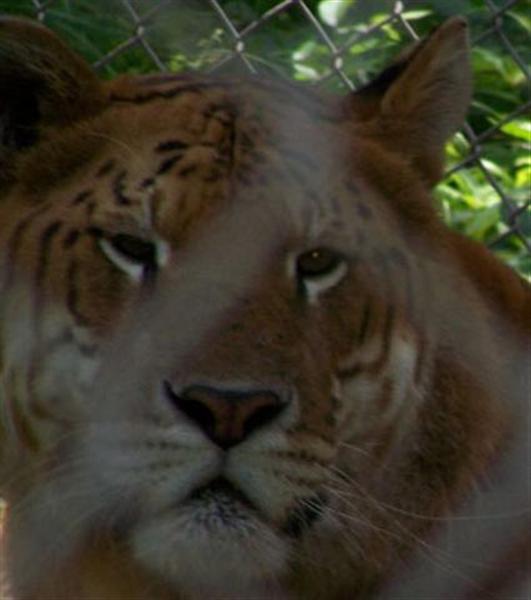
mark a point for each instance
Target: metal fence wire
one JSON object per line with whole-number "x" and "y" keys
{"x": 339, "y": 44}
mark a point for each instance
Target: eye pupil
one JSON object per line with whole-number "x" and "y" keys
{"x": 133, "y": 248}
{"x": 317, "y": 262}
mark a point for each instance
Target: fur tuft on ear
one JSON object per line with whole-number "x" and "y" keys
{"x": 418, "y": 102}
{"x": 42, "y": 84}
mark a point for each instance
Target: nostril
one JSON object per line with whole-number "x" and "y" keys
{"x": 262, "y": 416}
{"x": 227, "y": 417}
{"x": 194, "y": 409}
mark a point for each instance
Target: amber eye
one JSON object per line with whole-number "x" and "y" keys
{"x": 137, "y": 257}
{"x": 134, "y": 249}
{"x": 318, "y": 262}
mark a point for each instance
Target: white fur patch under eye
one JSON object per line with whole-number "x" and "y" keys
{"x": 132, "y": 268}
{"x": 317, "y": 285}
{"x": 135, "y": 269}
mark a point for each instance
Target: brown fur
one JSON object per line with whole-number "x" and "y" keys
{"x": 220, "y": 165}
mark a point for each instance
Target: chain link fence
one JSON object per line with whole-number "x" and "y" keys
{"x": 340, "y": 44}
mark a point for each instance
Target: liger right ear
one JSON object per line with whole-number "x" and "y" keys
{"x": 417, "y": 103}
{"x": 42, "y": 84}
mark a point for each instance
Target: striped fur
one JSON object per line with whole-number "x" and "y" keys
{"x": 176, "y": 250}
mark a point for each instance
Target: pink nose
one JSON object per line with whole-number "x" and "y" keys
{"x": 227, "y": 417}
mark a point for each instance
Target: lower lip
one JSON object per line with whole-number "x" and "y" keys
{"x": 220, "y": 489}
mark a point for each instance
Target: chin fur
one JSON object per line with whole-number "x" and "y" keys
{"x": 203, "y": 552}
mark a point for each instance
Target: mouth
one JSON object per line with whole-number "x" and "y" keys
{"x": 214, "y": 540}
{"x": 220, "y": 488}
{"x": 223, "y": 491}
{"x": 220, "y": 504}
{"x": 219, "y": 536}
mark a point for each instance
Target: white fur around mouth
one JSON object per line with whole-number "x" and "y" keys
{"x": 218, "y": 505}
{"x": 211, "y": 540}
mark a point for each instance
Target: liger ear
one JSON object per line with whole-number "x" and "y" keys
{"x": 418, "y": 102}
{"x": 42, "y": 84}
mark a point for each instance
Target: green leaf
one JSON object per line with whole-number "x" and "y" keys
{"x": 523, "y": 20}
{"x": 484, "y": 59}
{"x": 497, "y": 171}
{"x": 332, "y": 11}
{"x": 519, "y": 129}
{"x": 305, "y": 73}
{"x": 304, "y": 50}
{"x": 482, "y": 221}
{"x": 414, "y": 15}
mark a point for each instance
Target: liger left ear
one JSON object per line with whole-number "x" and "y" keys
{"x": 42, "y": 84}
{"x": 417, "y": 103}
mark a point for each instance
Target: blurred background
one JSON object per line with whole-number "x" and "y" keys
{"x": 340, "y": 45}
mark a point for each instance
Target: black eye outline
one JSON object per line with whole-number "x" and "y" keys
{"x": 318, "y": 262}
{"x": 134, "y": 249}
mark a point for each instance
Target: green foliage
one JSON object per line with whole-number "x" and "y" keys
{"x": 191, "y": 35}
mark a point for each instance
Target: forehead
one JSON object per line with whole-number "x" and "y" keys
{"x": 166, "y": 154}
{"x": 243, "y": 122}
{"x": 199, "y": 107}
{"x": 200, "y": 143}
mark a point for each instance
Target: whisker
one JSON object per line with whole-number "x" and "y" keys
{"x": 438, "y": 557}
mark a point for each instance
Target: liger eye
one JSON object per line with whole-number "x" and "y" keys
{"x": 135, "y": 256}
{"x": 318, "y": 263}
{"x": 134, "y": 248}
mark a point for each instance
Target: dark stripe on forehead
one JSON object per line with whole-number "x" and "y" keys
{"x": 223, "y": 112}
{"x": 169, "y": 94}
{"x": 118, "y": 189}
{"x": 302, "y": 97}
{"x": 169, "y": 163}
{"x": 81, "y": 197}
{"x": 149, "y": 181}
{"x": 106, "y": 168}
{"x": 188, "y": 170}
{"x": 171, "y": 145}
